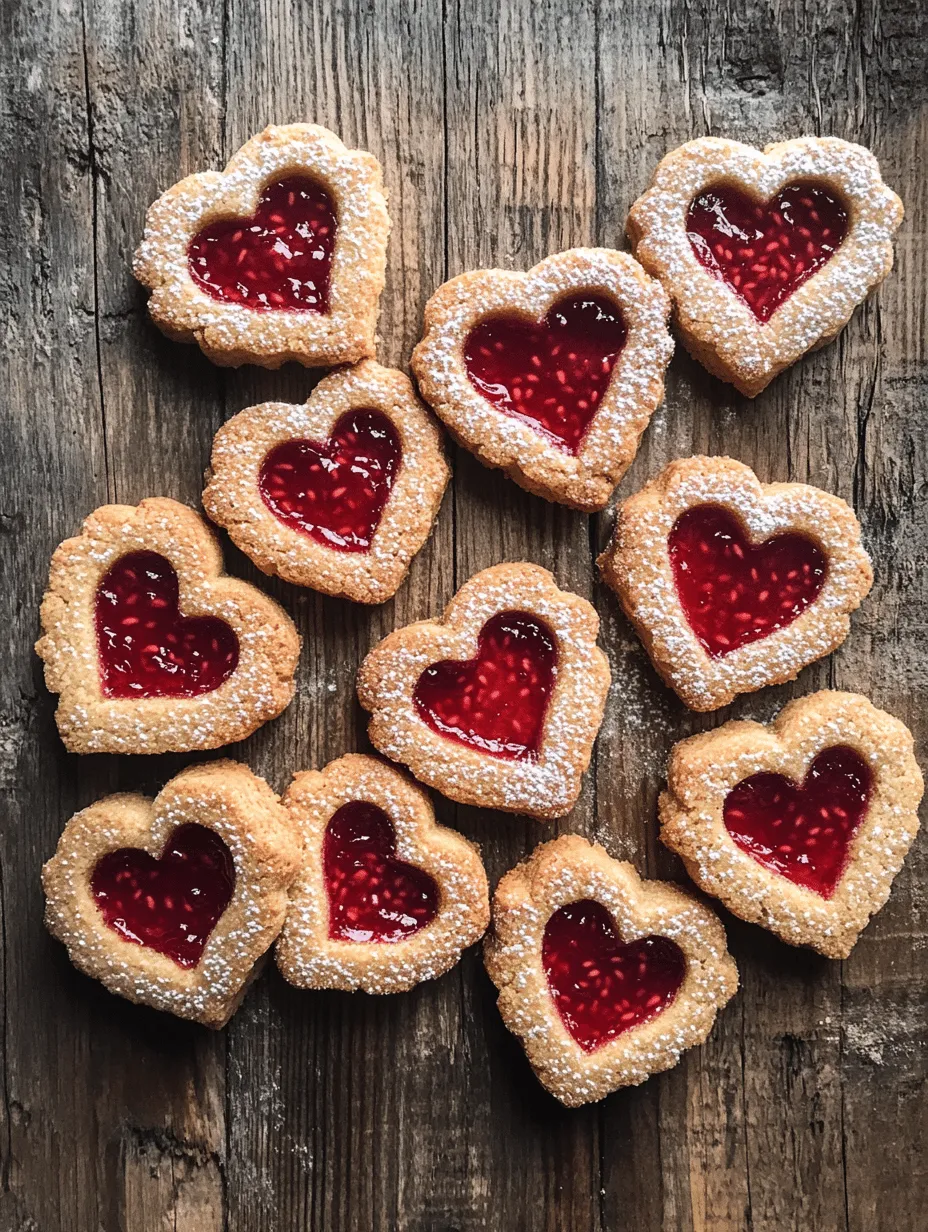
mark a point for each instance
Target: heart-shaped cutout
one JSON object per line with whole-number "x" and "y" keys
{"x": 279, "y": 259}
{"x": 335, "y": 490}
{"x": 496, "y": 702}
{"x": 765, "y": 251}
{"x": 734, "y": 592}
{"x": 145, "y": 647}
{"x": 170, "y": 904}
{"x": 373, "y": 895}
{"x": 550, "y": 374}
{"x": 601, "y": 985}
{"x": 803, "y": 831}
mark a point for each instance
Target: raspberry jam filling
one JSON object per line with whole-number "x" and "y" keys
{"x": 171, "y": 904}
{"x": 280, "y": 258}
{"x": 146, "y": 648}
{"x": 552, "y": 374}
{"x": 496, "y": 702}
{"x": 733, "y": 591}
{"x": 373, "y": 896}
{"x": 766, "y": 250}
{"x": 803, "y": 831}
{"x": 335, "y": 490}
{"x": 602, "y": 986}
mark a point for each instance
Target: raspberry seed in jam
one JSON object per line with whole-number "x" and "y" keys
{"x": 601, "y": 985}
{"x": 498, "y": 701}
{"x": 335, "y": 490}
{"x": 280, "y": 258}
{"x": 550, "y": 374}
{"x": 146, "y": 648}
{"x": 373, "y": 896}
{"x": 766, "y": 250}
{"x": 732, "y": 591}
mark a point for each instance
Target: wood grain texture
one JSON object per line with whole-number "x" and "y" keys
{"x": 507, "y": 131}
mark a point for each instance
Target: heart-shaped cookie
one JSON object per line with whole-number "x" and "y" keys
{"x": 279, "y": 257}
{"x": 497, "y": 703}
{"x": 386, "y": 898}
{"x": 172, "y": 902}
{"x": 604, "y": 978}
{"x": 764, "y": 254}
{"x": 338, "y": 494}
{"x": 152, "y": 648}
{"x": 800, "y": 826}
{"x": 733, "y": 584}
{"x": 551, "y": 375}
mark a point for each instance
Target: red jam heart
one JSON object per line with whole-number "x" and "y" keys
{"x": 803, "y": 832}
{"x": 146, "y": 648}
{"x": 733, "y": 591}
{"x": 498, "y": 701}
{"x": 551, "y": 375}
{"x": 335, "y": 490}
{"x": 170, "y": 905}
{"x": 280, "y": 258}
{"x": 766, "y": 250}
{"x": 373, "y": 896}
{"x": 602, "y": 986}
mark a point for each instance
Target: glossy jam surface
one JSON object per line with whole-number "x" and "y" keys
{"x": 496, "y": 702}
{"x": 803, "y": 831}
{"x": 601, "y": 985}
{"x": 280, "y": 258}
{"x": 552, "y": 374}
{"x": 766, "y": 250}
{"x": 335, "y": 490}
{"x": 733, "y": 591}
{"x": 146, "y": 648}
{"x": 171, "y": 904}
{"x": 373, "y": 896}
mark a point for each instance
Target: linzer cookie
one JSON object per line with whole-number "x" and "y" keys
{"x": 151, "y": 647}
{"x": 173, "y": 902}
{"x": 551, "y": 375}
{"x": 765, "y": 255}
{"x": 605, "y": 978}
{"x": 385, "y": 898}
{"x": 279, "y": 257}
{"x": 498, "y": 702}
{"x": 338, "y": 494}
{"x": 800, "y": 826}
{"x": 733, "y": 584}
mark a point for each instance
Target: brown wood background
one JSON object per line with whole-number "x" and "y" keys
{"x": 508, "y": 129}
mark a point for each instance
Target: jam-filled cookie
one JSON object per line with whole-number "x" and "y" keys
{"x": 151, "y": 647}
{"x": 386, "y": 897}
{"x": 338, "y": 494}
{"x": 764, "y": 254}
{"x": 551, "y": 375}
{"x": 173, "y": 902}
{"x": 498, "y": 702}
{"x": 279, "y": 257}
{"x": 800, "y": 826}
{"x": 605, "y": 978}
{"x": 733, "y": 584}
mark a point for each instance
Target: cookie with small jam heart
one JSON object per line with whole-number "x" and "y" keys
{"x": 733, "y": 584}
{"x": 765, "y": 254}
{"x": 279, "y": 257}
{"x": 498, "y": 702}
{"x": 386, "y": 897}
{"x": 799, "y": 826}
{"x": 605, "y": 978}
{"x": 150, "y": 646}
{"x": 174, "y": 902}
{"x": 550, "y": 375}
{"x": 338, "y": 494}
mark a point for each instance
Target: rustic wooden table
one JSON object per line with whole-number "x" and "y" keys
{"x": 507, "y": 131}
